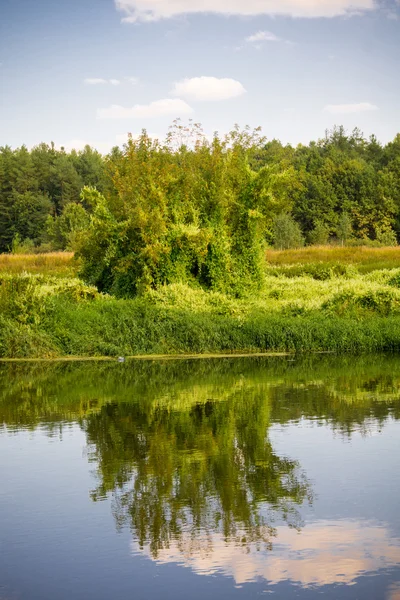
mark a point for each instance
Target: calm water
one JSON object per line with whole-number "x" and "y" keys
{"x": 228, "y": 478}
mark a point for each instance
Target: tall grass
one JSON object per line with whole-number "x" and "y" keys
{"x": 364, "y": 258}
{"x": 52, "y": 263}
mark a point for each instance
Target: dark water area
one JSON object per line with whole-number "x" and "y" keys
{"x": 222, "y": 478}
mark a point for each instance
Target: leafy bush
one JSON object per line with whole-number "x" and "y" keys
{"x": 189, "y": 216}
{"x": 27, "y": 298}
{"x": 380, "y": 302}
{"x": 22, "y": 247}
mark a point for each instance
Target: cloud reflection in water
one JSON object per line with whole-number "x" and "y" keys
{"x": 323, "y": 553}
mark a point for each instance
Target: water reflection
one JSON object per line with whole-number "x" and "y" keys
{"x": 394, "y": 592}
{"x": 324, "y": 553}
{"x": 185, "y": 454}
{"x": 204, "y": 469}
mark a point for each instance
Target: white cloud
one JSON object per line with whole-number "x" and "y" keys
{"x": 132, "y": 80}
{"x": 153, "y": 10}
{"x": 262, "y": 36}
{"x": 159, "y": 108}
{"x": 343, "y": 109}
{"x": 100, "y": 81}
{"x": 208, "y": 88}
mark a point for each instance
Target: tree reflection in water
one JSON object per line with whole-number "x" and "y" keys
{"x": 186, "y": 474}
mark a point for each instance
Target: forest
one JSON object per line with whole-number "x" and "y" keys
{"x": 316, "y": 184}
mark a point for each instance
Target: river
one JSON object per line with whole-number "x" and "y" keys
{"x": 219, "y": 478}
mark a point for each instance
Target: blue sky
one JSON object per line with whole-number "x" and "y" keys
{"x": 89, "y": 71}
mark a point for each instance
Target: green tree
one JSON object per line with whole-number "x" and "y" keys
{"x": 344, "y": 228}
{"x": 287, "y": 233}
{"x": 24, "y": 214}
{"x": 319, "y": 235}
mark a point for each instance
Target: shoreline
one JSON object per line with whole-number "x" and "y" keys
{"x": 160, "y": 357}
{"x": 301, "y": 309}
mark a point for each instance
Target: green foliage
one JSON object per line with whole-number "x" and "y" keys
{"x": 19, "y": 247}
{"x": 379, "y": 302}
{"x": 287, "y": 233}
{"x": 319, "y": 236}
{"x": 320, "y": 271}
{"x": 386, "y": 237}
{"x": 42, "y": 182}
{"x": 323, "y": 308}
{"x": 193, "y": 215}
{"x": 63, "y": 232}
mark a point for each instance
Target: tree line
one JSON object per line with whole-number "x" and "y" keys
{"x": 39, "y": 184}
{"x": 188, "y": 208}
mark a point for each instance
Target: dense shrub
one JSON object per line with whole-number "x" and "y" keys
{"x": 195, "y": 215}
{"x": 382, "y": 302}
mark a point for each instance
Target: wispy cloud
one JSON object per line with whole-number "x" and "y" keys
{"x": 159, "y": 108}
{"x": 343, "y": 109}
{"x": 153, "y": 10}
{"x": 100, "y": 81}
{"x": 208, "y": 88}
{"x": 262, "y": 36}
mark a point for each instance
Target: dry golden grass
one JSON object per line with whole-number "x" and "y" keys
{"x": 53, "y": 263}
{"x": 362, "y": 256}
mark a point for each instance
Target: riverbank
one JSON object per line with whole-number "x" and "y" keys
{"x": 324, "y": 306}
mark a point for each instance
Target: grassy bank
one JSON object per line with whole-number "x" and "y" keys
{"x": 305, "y": 306}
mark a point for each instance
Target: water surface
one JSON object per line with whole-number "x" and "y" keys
{"x": 227, "y": 477}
